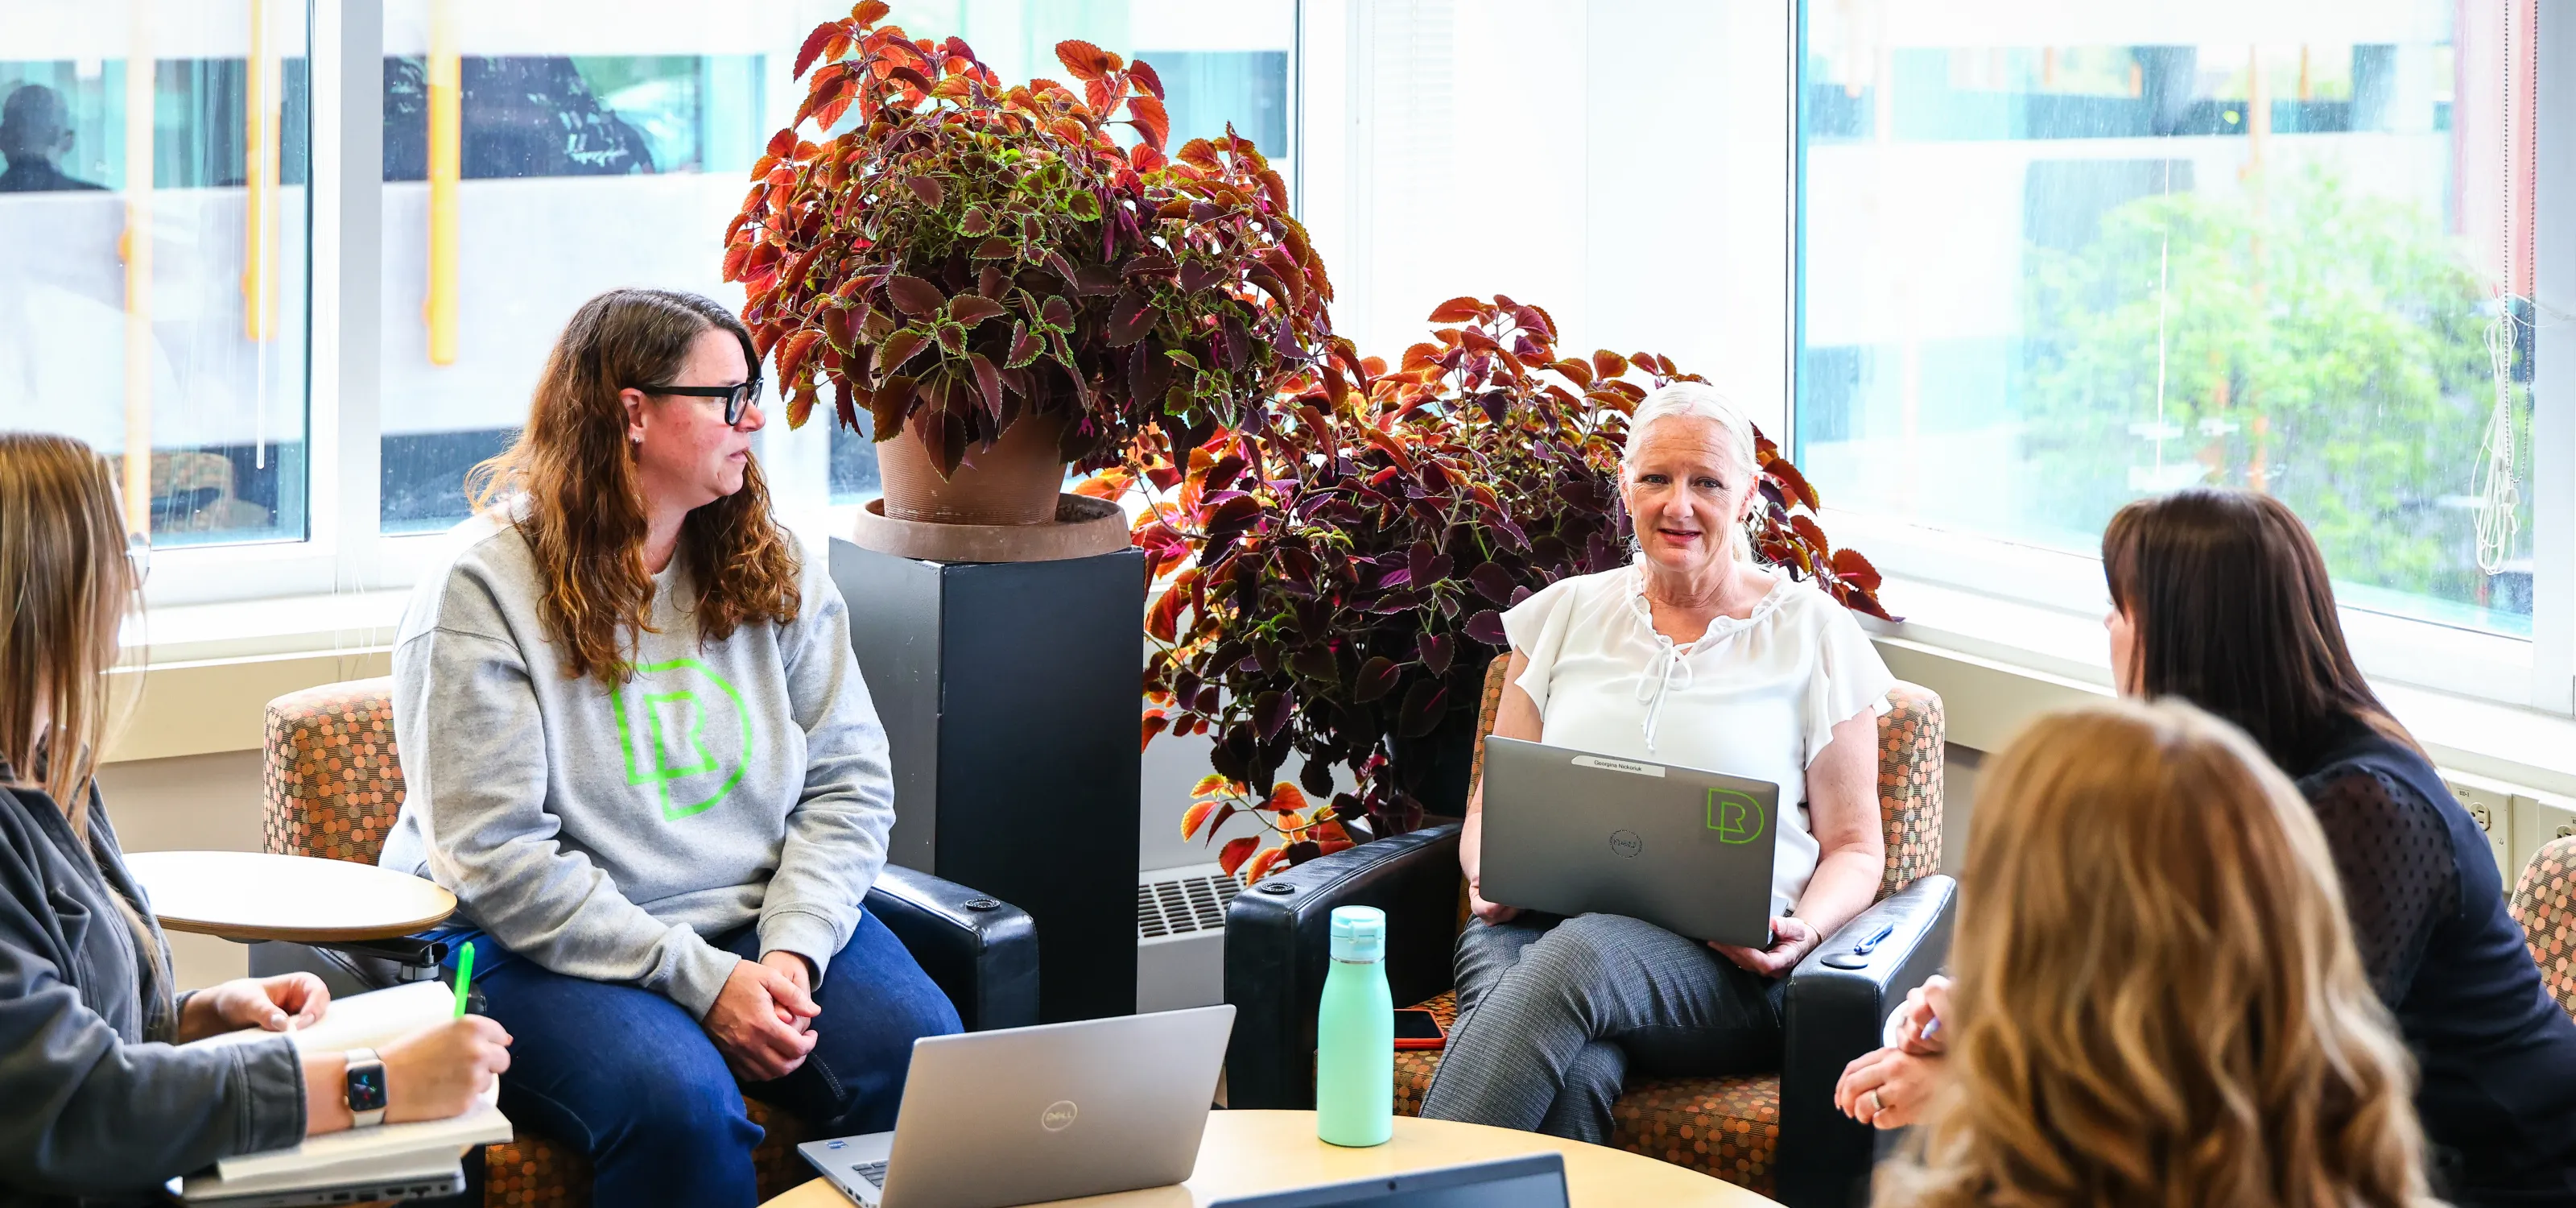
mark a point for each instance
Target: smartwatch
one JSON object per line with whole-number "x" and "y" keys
{"x": 366, "y": 1088}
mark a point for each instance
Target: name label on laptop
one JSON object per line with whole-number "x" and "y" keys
{"x": 1619, "y": 765}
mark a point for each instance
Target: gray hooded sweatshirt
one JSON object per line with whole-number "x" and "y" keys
{"x": 610, "y": 835}
{"x": 95, "y": 1104}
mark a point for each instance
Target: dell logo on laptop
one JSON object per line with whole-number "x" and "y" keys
{"x": 1626, "y": 843}
{"x": 1058, "y": 1116}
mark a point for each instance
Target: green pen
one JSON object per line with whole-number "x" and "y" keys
{"x": 464, "y": 977}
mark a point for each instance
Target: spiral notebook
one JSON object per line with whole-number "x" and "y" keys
{"x": 358, "y": 1154}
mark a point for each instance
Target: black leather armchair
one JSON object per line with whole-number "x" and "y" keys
{"x": 1276, "y": 955}
{"x": 982, "y": 951}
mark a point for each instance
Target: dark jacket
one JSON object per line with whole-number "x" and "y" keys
{"x": 39, "y": 176}
{"x": 2496, "y": 1057}
{"x": 94, "y": 1103}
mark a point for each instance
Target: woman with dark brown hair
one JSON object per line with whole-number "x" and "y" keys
{"x": 639, "y": 752}
{"x": 2221, "y": 598}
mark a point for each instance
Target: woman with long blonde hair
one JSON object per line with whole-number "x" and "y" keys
{"x": 2157, "y": 999}
{"x": 95, "y": 1102}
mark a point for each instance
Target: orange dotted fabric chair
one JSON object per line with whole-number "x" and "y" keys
{"x": 333, "y": 787}
{"x": 2544, "y": 902}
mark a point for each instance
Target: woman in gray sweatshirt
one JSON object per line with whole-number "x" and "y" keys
{"x": 637, "y": 748}
{"x": 96, "y": 1102}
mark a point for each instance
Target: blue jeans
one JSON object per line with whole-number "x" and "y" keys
{"x": 627, "y": 1077}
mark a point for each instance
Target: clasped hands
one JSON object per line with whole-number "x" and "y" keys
{"x": 1887, "y": 1088}
{"x": 762, "y": 1021}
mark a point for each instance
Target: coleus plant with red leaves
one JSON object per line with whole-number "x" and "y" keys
{"x": 964, "y": 255}
{"x": 1337, "y": 581}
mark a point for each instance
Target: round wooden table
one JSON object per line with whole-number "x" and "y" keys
{"x": 1248, "y": 1152}
{"x": 241, "y": 895}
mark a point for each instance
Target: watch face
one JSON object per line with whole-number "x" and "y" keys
{"x": 367, "y": 1088}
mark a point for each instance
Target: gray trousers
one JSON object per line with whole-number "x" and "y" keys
{"x": 1551, "y": 1012}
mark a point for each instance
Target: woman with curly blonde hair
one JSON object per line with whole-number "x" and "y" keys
{"x": 2157, "y": 999}
{"x": 639, "y": 751}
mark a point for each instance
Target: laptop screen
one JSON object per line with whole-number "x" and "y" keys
{"x": 1536, "y": 1181}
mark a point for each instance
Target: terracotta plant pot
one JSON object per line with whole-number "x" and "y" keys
{"x": 1013, "y": 482}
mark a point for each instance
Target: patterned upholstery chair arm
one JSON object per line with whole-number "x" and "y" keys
{"x": 2544, "y": 902}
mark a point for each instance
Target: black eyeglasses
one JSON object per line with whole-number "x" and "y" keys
{"x": 736, "y": 397}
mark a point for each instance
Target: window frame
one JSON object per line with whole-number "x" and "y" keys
{"x": 2538, "y": 672}
{"x": 345, "y": 551}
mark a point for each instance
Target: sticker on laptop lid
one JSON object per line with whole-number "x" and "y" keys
{"x": 1607, "y": 764}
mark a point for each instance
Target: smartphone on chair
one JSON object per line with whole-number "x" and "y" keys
{"x": 1416, "y": 1028}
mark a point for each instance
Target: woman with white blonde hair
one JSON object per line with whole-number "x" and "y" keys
{"x": 1695, "y": 655}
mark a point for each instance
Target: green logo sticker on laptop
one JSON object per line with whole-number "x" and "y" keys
{"x": 1736, "y": 817}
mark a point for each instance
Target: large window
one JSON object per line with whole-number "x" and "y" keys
{"x": 535, "y": 155}
{"x": 158, "y": 244}
{"x": 1618, "y": 163}
{"x": 2036, "y": 260}
{"x": 153, "y": 240}
{"x": 2052, "y": 259}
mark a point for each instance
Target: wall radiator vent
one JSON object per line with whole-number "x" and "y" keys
{"x": 1183, "y": 900}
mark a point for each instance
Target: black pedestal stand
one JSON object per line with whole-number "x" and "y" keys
{"x": 1009, "y": 696}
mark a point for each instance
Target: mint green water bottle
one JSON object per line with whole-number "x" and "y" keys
{"x": 1355, "y": 1034}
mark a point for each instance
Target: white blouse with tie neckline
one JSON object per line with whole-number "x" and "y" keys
{"x": 1757, "y": 697}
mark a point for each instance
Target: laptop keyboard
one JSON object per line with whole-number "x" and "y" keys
{"x": 873, "y": 1172}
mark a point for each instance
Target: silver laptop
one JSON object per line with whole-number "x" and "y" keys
{"x": 1568, "y": 832}
{"x": 410, "y": 1177}
{"x": 1024, "y": 1115}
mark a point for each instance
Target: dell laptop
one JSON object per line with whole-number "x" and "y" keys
{"x": 1536, "y": 1181}
{"x": 1024, "y": 1115}
{"x": 1569, "y": 832}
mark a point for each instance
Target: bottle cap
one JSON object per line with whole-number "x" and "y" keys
{"x": 1359, "y": 933}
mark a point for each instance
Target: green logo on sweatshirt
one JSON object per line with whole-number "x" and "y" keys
{"x": 676, "y": 704}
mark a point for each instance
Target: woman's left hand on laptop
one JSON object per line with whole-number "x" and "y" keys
{"x": 1492, "y": 912}
{"x": 1791, "y": 940}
